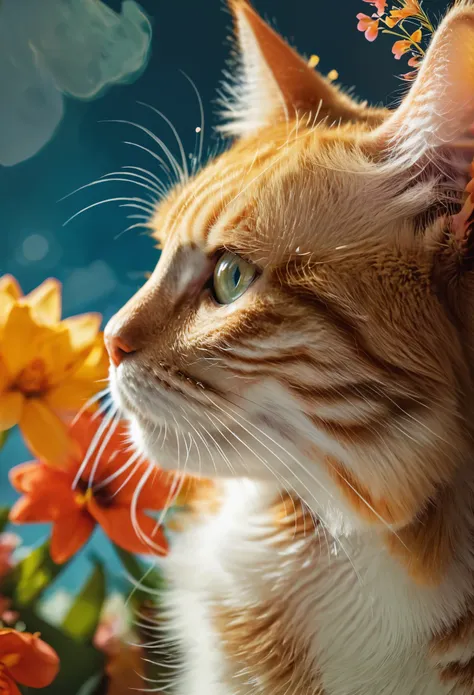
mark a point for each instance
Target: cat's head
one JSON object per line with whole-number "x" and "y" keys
{"x": 308, "y": 319}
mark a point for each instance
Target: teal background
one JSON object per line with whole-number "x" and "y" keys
{"x": 100, "y": 267}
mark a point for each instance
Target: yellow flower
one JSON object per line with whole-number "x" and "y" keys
{"x": 48, "y": 368}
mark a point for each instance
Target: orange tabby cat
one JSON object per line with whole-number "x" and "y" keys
{"x": 307, "y": 340}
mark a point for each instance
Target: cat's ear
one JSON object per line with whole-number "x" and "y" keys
{"x": 437, "y": 114}
{"x": 274, "y": 82}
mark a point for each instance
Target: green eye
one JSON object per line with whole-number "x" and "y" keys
{"x": 232, "y": 277}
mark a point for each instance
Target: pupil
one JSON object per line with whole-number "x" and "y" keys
{"x": 236, "y": 275}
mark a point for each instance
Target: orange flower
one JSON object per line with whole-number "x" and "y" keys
{"x": 399, "y": 48}
{"x": 414, "y": 62}
{"x": 379, "y": 5}
{"x": 50, "y": 496}
{"x": 410, "y": 8}
{"x": 369, "y": 26}
{"x": 27, "y": 660}
{"x": 48, "y": 368}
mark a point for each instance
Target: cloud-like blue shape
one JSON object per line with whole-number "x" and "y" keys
{"x": 53, "y": 47}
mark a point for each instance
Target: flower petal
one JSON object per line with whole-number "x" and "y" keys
{"x": 11, "y": 406}
{"x": 10, "y": 292}
{"x": 46, "y": 435}
{"x": 4, "y": 376}
{"x": 54, "y": 352}
{"x": 83, "y": 329}
{"x": 38, "y": 663}
{"x": 95, "y": 367}
{"x": 27, "y": 476}
{"x": 70, "y": 533}
{"x": 157, "y": 494}
{"x": 45, "y": 302}
{"x": 6, "y": 305}
{"x": 29, "y": 510}
{"x": 116, "y": 523}
{"x": 399, "y": 48}
{"x": 9, "y": 687}
{"x": 71, "y": 395}
{"x": 9, "y": 285}
{"x": 19, "y": 338}
{"x": 111, "y": 445}
{"x": 48, "y": 492}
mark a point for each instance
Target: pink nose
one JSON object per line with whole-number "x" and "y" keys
{"x": 118, "y": 349}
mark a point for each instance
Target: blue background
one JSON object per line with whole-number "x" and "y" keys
{"x": 100, "y": 267}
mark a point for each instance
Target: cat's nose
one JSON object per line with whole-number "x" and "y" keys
{"x": 117, "y": 348}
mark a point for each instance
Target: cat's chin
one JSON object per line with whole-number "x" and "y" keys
{"x": 148, "y": 442}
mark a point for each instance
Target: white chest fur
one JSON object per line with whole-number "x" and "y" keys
{"x": 361, "y": 625}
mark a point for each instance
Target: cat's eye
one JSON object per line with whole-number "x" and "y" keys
{"x": 232, "y": 277}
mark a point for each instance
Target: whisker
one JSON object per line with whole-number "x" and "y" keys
{"x": 137, "y": 225}
{"x": 203, "y": 441}
{"x": 134, "y": 509}
{"x": 90, "y": 402}
{"x": 184, "y": 165}
{"x": 145, "y": 205}
{"x": 162, "y": 163}
{"x": 148, "y": 174}
{"x": 379, "y": 517}
{"x": 94, "y": 442}
{"x": 201, "y": 111}
{"x": 172, "y": 160}
{"x": 116, "y": 474}
{"x": 158, "y": 188}
{"x": 113, "y": 426}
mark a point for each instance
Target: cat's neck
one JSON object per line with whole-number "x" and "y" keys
{"x": 349, "y": 602}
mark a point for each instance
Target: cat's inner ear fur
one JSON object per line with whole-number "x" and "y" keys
{"x": 274, "y": 83}
{"x": 436, "y": 118}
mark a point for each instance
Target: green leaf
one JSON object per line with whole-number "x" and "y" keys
{"x": 4, "y": 512}
{"x": 84, "y": 615}
{"x": 32, "y": 576}
{"x": 148, "y": 580}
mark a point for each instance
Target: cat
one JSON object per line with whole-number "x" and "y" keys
{"x": 305, "y": 347}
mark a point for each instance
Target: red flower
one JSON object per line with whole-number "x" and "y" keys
{"x": 50, "y": 495}
{"x": 369, "y": 26}
{"x": 27, "y": 660}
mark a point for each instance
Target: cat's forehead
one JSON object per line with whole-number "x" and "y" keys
{"x": 268, "y": 197}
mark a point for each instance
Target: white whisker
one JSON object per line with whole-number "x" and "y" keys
{"x": 172, "y": 160}
{"x": 140, "y": 203}
{"x": 184, "y": 163}
{"x": 94, "y": 442}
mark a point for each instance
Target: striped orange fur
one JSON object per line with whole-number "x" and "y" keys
{"x": 332, "y": 399}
